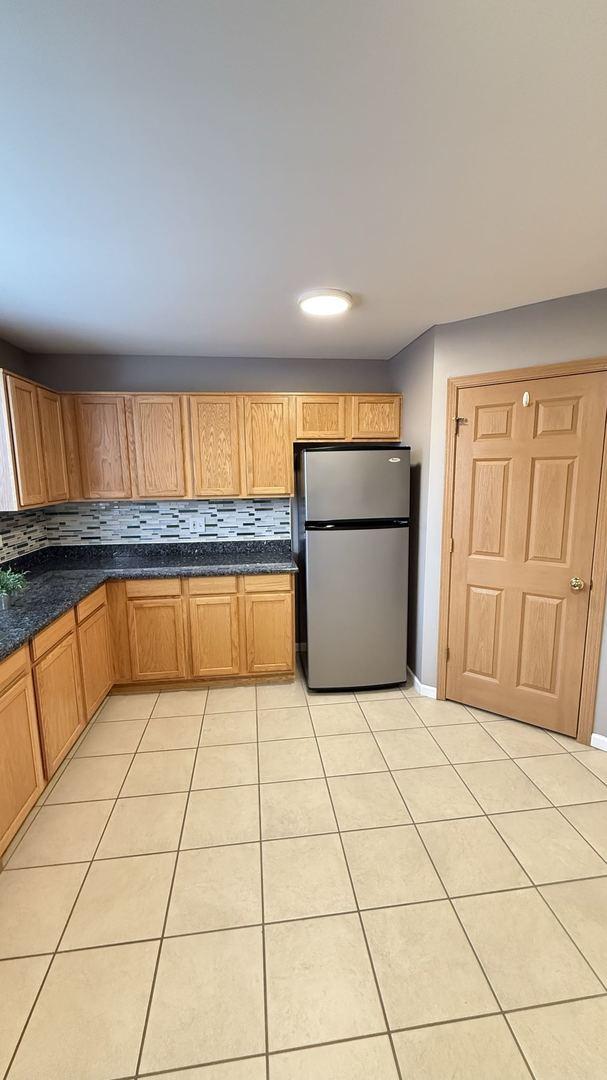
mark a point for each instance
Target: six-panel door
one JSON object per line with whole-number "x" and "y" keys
{"x": 527, "y": 474}
{"x": 21, "y": 774}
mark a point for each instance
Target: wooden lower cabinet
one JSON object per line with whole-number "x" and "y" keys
{"x": 21, "y": 772}
{"x": 61, "y": 714}
{"x": 215, "y": 635}
{"x": 157, "y": 639}
{"x": 95, "y": 659}
{"x": 269, "y": 632}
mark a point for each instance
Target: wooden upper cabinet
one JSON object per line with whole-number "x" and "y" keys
{"x": 269, "y": 444}
{"x": 27, "y": 441}
{"x": 104, "y": 455}
{"x": 72, "y": 453}
{"x": 216, "y": 428}
{"x": 21, "y": 776}
{"x": 159, "y": 446}
{"x": 375, "y": 416}
{"x": 320, "y": 416}
{"x": 53, "y": 445}
{"x": 60, "y": 703}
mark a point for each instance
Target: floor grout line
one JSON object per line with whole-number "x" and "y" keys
{"x": 263, "y": 840}
{"x": 71, "y": 911}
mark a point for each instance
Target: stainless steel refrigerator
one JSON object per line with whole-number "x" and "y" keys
{"x": 353, "y": 514}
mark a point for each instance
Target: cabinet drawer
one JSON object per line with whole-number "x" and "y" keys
{"x": 52, "y": 634}
{"x": 267, "y": 582}
{"x": 90, "y": 603}
{"x": 18, "y": 663}
{"x": 204, "y": 586}
{"x": 154, "y": 587}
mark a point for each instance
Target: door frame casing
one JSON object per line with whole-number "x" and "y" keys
{"x": 598, "y": 590}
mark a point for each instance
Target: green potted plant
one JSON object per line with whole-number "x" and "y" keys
{"x": 11, "y": 582}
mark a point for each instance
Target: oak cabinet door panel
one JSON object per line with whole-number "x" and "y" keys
{"x": 269, "y": 632}
{"x": 104, "y": 455}
{"x": 320, "y": 416}
{"x": 27, "y": 441}
{"x": 53, "y": 445}
{"x": 269, "y": 445}
{"x": 94, "y": 642}
{"x": 217, "y": 435}
{"x": 60, "y": 703}
{"x": 21, "y": 774}
{"x": 215, "y": 635}
{"x": 157, "y": 639}
{"x": 159, "y": 449}
{"x": 375, "y": 416}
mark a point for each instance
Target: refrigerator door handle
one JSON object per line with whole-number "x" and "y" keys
{"x": 346, "y": 525}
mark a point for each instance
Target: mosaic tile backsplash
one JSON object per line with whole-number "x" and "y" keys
{"x": 144, "y": 523}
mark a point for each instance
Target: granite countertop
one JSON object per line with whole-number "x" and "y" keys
{"x": 59, "y": 577}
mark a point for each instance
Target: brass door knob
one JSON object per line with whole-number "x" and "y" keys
{"x": 576, "y": 584}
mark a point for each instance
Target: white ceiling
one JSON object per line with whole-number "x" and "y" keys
{"x": 176, "y": 172}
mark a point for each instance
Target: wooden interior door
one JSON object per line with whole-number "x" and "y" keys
{"x": 216, "y": 445}
{"x": 527, "y": 474}
{"x": 53, "y": 445}
{"x": 158, "y": 435}
{"x": 215, "y": 635}
{"x": 60, "y": 704}
{"x": 104, "y": 455}
{"x": 269, "y": 445}
{"x": 27, "y": 442}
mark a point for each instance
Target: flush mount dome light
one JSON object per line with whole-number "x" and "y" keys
{"x": 325, "y": 302}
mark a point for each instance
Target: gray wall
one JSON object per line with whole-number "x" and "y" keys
{"x": 182, "y": 373}
{"x": 412, "y": 375}
{"x": 15, "y": 359}
{"x": 574, "y": 327}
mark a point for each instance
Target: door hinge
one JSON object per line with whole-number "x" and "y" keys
{"x": 450, "y": 543}
{"x": 447, "y": 653}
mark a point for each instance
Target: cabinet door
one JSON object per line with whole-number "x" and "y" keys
{"x": 269, "y": 631}
{"x": 159, "y": 470}
{"x": 216, "y": 444}
{"x": 27, "y": 443}
{"x": 21, "y": 775}
{"x": 269, "y": 444}
{"x": 320, "y": 416}
{"x": 375, "y": 416}
{"x": 94, "y": 642}
{"x": 156, "y": 638}
{"x": 60, "y": 703}
{"x": 53, "y": 445}
{"x": 104, "y": 456}
{"x": 215, "y": 635}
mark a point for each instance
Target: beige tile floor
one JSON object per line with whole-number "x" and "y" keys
{"x": 260, "y": 883}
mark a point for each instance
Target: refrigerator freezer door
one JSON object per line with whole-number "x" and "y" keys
{"x": 356, "y": 607}
{"x": 356, "y": 484}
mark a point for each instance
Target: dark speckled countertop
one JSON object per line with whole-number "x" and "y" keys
{"x": 59, "y": 577}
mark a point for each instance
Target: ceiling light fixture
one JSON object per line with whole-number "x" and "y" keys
{"x": 325, "y": 302}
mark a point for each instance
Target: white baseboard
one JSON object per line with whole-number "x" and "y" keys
{"x": 600, "y": 741}
{"x": 422, "y": 688}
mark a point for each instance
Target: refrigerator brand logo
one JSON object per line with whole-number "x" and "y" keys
{"x": 393, "y": 459}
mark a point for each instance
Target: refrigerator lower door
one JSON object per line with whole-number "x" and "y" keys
{"x": 356, "y": 603}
